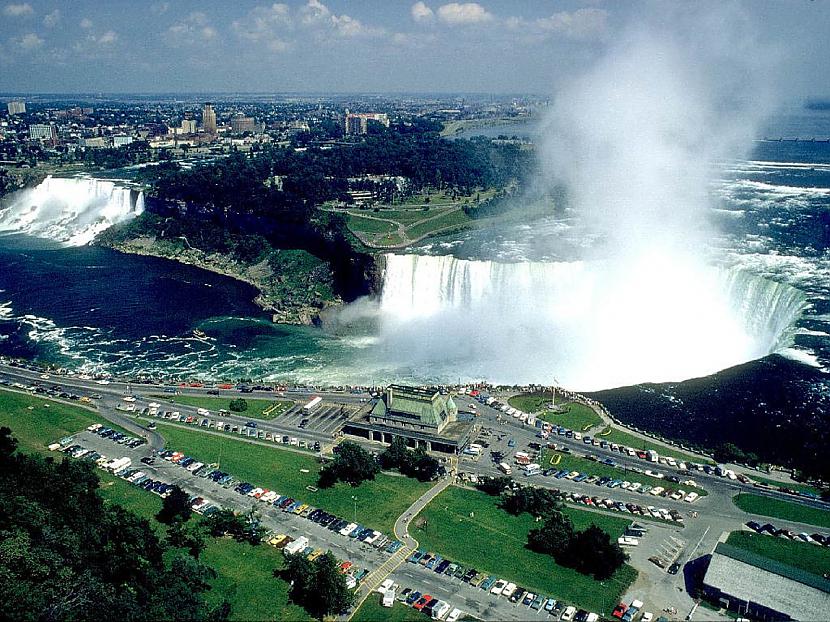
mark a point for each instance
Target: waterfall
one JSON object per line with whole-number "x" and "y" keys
{"x": 71, "y": 211}
{"x": 590, "y": 325}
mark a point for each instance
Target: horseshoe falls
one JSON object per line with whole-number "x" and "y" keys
{"x": 587, "y": 325}
{"x": 71, "y": 211}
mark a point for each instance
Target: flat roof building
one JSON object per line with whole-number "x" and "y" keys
{"x": 763, "y": 589}
{"x": 16, "y": 107}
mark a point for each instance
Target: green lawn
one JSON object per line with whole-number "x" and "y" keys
{"x": 530, "y": 402}
{"x": 776, "y": 508}
{"x": 809, "y": 557}
{"x": 591, "y": 467}
{"x": 244, "y": 572}
{"x": 379, "y": 503}
{"x": 370, "y": 225}
{"x": 453, "y": 219}
{"x": 576, "y": 417}
{"x": 372, "y": 611}
{"x": 37, "y": 422}
{"x": 792, "y": 485}
{"x": 620, "y": 437}
{"x": 467, "y": 526}
{"x": 256, "y": 408}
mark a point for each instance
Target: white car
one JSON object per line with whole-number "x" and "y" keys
{"x": 498, "y": 587}
{"x": 454, "y": 615}
{"x": 569, "y": 613}
{"x": 508, "y": 590}
{"x": 647, "y": 616}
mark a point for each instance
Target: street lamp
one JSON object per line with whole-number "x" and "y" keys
{"x": 355, "y": 508}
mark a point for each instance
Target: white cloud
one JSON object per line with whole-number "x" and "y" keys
{"x": 18, "y": 10}
{"x": 30, "y": 41}
{"x": 108, "y": 38}
{"x": 421, "y": 12}
{"x": 463, "y": 13}
{"x": 589, "y": 23}
{"x": 266, "y": 25}
{"x": 86, "y": 23}
{"x": 50, "y": 20}
{"x": 579, "y": 24}
{"x": 195, "y": 28}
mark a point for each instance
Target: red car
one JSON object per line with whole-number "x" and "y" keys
{"x": 619, "y": 610}
{"x": 422, "y": 601}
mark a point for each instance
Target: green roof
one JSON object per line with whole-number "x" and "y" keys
{"x": 427, "y": 405}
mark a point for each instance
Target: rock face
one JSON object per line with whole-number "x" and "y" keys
{"x": 291, "y": 300}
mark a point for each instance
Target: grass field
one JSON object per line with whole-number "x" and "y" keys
{"x": 379, "y": 503}
{"x": 576, "y": 417}
{"x": 372, "y": 611}
{"x": 467, "y": 526}
{"x": 256, "y": 408}
{"x": 370, "y": 225}
{"x": 620, "y": 437}
{"x": 791, "y": 484}
{"x": 776, "y": 508}
{"x": 591, "y": 467}
{"x": 809, "y": 557}
{"x": 244, "y": 572}
{"x": 37, "y": 422}
{"x": 453, "y": 219}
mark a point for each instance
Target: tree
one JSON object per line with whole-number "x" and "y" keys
{"x": 175, "y": 507}
{"x": 242, "y": 528}
{"x": 180, "y": 536}
{"x": 553, "y": 537}
{"x": 395, "y": 454}
{"x": 351, "y": 464}
{"x": 592, "y": 552}
{"x": 494, "y": 486}
{"x": 238, "y": 405}
{"x": 318, "y": 586}
{"x": 65, "y": 555}
{"x": 534, "y": 501}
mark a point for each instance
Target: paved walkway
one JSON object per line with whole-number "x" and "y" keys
{"x": 377, "y": 576}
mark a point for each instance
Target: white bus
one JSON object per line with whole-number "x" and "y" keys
{"x": 314, "y": 403}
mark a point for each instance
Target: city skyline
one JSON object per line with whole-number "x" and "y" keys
{"x": 340, "y": 46}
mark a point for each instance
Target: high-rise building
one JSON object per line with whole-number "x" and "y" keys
{"x": 240, "y": 124}
{"x": 209, "y": 119}
{"x": 358, "y": 122}
{"x": 43, "y": 131}
{"x": 188, "y": 126}
{"x": 17, "y": 107}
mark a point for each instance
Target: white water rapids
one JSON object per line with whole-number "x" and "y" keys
{"x": 587, "y": 325}
{"x": 71, "y": 211}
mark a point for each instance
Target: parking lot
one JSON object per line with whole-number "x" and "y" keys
{"x": 361, "y": 555}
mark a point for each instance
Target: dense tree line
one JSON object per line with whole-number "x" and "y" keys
{"x": 415, "y": 463}
{"x": 317, "y": 585}
{"x": 65, "y": 555}
{"x": 351, "y": 464}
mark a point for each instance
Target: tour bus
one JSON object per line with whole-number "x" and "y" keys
{"x": 532, "y": 469}
{"x": 314, "y": 403}
{"x": 505, "y": 468}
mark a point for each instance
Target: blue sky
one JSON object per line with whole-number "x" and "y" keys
{"x": 362, "y": 46}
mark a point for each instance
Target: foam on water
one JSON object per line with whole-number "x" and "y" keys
{"x": 590, "y": 325}
{"x": 71, "y": 211}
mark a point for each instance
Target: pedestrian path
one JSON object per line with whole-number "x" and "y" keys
{"x": 377, "y": 576}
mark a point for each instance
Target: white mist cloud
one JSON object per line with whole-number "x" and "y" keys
{"x": 458, "y": 13}
{"x": 421, "y": 12}
{"x": 18, "y": 10}
{"x": 633, "y": 138}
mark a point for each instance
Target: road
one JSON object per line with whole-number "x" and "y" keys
{"x": 717, "y": 514}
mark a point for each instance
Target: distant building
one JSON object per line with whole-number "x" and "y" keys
{"x": 16, "y": 107}
{"x": 188, "y": 127}
{"x": 209, "y": 119}
{"x": 43, "y": 131}
{"x": 241, "y": 124}
{"x": 358, "y": 122}
{"x": 120, "y": 141}
{"x": 96, "y": 142}
{"x": 424, "y": 417}
{"x": 762, "y": 589}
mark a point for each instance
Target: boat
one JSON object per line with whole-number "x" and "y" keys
{"x": 199, "y": 333}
